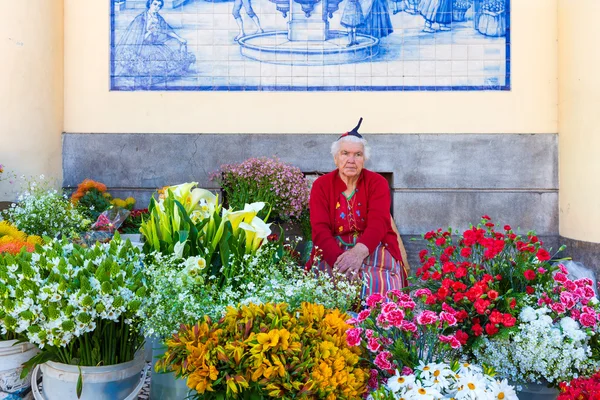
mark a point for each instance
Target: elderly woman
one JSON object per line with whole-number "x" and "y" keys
{"x": 352, "y": 229}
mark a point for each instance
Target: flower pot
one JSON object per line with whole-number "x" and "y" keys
{"x": 535, "y": 391}
{"x": 11, "y": 358}
{"x": 165, "y": 386}
{"x": 111, "y": 382}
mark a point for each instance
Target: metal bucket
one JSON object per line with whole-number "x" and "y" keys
{"x": 165, "y": 386}
{"x": 112, "y": 382}
{"x": 12, "y": 356}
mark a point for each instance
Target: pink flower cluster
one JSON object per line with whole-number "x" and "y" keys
{"x": 572, "y": 299}
{"x": 390, "y": 327}
{"x": 270, "y": 177}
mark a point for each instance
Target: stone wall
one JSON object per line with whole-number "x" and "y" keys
{"x": 437, "y": 180}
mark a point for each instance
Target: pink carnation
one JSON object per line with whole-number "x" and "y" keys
{"x": 363, "y": 315}
{"x": 587, "y": 319}
{"x": 570, "y": 285}
{"x": 406, "y": 371}
{"x": 373, "y": 345}
{"x": 558, "y": 308}
{"x": 563, "y": 269}
{"x": 395, "y": 317}
{"x": 448, "y": 309}
{"x": 422, "y": 292}
{"x": 450, "y": 319}
{"x": 567, "y": 299}
{"x": 373, "y": 383}
{"x": 560, "y": 277}
{"x": 427, "y": 318}
{"x": 382, "y": 360}
{"x": 353, "y": 336}
{"x": 408, "y": 326}
{"x": 374, "y": 299}
{"x": 387, "y": 307}
{"x": 407, "y": 304}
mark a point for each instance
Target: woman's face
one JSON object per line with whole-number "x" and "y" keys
{"x": 155, "y": 6}
{"x": 350, "y": 160}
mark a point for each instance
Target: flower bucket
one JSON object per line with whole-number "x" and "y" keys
{"x": 111, "y": 382}
{"x": 535, "y": 391}
{"x": 165, "y": 386}
{"x": 11, "y": 358}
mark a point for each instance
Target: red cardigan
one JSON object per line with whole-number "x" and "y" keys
{"x": 374, "y": 192}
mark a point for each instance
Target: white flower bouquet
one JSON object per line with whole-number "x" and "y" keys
{"x": 79, "y": 305}
{"x": 436, "y": 381}
{"x": 540, "y": 349}
{"x": 556, "y": 340}
{"x": 44, "y": 211}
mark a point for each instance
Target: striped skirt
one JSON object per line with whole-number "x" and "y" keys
{"x": 380, "y": 272}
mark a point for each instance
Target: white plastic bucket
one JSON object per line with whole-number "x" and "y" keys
{"x": 112, "y": 382}
{"x": 12, "y": 356}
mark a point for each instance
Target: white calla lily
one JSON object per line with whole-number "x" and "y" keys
{"x": 256, "y": 231}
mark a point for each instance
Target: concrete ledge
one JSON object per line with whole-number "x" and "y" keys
{"x": 420, "y": 211}
{"x": 416, "y": 161}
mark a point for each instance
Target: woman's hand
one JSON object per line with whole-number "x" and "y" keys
{"x": 350, "y": 261}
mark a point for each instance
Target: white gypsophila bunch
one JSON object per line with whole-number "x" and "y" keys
{"x": 44, "y": 211}
{"x": 438, "y": 381}
{"x": 177, "y": 294}
{"x": 317, "y": 287}
{"x": 61, "y": 290}
{"x": 540, "y": 350}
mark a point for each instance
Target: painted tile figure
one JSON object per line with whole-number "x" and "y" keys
{"x": 351, "y": 18}
{"x": 237, "y": 7}
{"x": 436, "y": 11}
{"x": 146, "y": 53}
{"x": 377, "y": 18}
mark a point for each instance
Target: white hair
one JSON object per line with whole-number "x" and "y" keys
{"x": 335, "y": 146}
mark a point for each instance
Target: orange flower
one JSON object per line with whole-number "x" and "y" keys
{"x": 14, "y": 247}
{"x": 86, "y": 186}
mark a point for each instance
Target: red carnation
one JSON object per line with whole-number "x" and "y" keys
{"x": 529, "y": 274}
{"x": 513, "y": 303}
{"x": 492, "y": 295}
{"x": 477, "y": 330}
{"x": 507, "y": 227}
{"x": 465, "y": 252}
{"x": 491, "y": 329}
{"x": 462, "y": 337}
{"x": 509, "y": 320}
{"x": 440, "y": 241}
{"x": 543, "y": 255}
{"x": 529, "y": 290}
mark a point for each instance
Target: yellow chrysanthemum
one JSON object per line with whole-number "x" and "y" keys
{"x": 7, "y": 229}
{"x": 34, "y": 239}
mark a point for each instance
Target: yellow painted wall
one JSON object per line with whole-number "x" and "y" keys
{"x": 31, "y": 89}
{"x": 579, "y": 138}
{"x": 531, "y": 107}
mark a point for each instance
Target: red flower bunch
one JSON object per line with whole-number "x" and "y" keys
{"x": 397, "y": 336}
{"x": 581, "y": 389}
{"x": 483, "y": 274}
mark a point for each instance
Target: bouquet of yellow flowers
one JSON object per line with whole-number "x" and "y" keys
{"x": 266, "y": 351}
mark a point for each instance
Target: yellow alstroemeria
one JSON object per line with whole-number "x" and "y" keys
{"x": 256, "y": 232}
